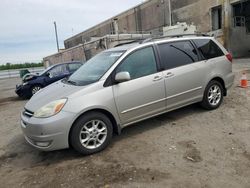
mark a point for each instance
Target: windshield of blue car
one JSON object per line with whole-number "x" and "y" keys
{"x": 95, "y": 68}
{"x": 41, "y": 73}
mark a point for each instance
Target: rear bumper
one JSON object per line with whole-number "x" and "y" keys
{"x": 47, "y": 134}
{"x": 229, "y": 80}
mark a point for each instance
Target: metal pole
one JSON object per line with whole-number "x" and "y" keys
{"x": 56, "y": 37}
{"x": 170, "y": 12}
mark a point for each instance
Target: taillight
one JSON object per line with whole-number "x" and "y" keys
{"x": 229, "y": 57}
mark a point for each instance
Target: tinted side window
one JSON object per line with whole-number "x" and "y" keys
{"x": 58, "y": 70}
{"x": 74, "y": 66}
{"x": 177, "y": 54}
{"x": 208, "y": 48}
{"x": 140, "y": 63}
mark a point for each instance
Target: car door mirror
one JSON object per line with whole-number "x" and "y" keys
{"x": 48, "y": 74}
{"x": 122, "y": 77}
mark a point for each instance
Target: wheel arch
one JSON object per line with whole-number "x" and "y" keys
{"x": 37, "y": 83}
{"x": 222, "y": 82}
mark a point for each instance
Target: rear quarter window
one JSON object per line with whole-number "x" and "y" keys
{"x": 208, "y": 48}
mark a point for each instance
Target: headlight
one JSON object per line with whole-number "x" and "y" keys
{"x": 25, "y": 83}
{"x": 50, "y": 109}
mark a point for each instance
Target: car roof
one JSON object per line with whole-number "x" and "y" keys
{"x": 149, "y": 41}
{"x": 78, "y": 62}
{"x": 124, "y": 47}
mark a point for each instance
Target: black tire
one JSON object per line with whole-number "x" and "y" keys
{"x": 205, "y": 102}
{"x": 35, "y": 87}
{"x": 78, "y": 126}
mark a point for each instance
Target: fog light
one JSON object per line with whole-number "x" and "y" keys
{"x": 43, "y": 144}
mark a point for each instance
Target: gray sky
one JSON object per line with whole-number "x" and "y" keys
{"x": 27, "y": 30}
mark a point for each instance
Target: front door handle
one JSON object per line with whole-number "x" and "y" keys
{"x": 169, "y": 74}
{"x": 157, "y": 78}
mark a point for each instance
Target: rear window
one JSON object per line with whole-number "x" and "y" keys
{"x": 176, "y": 54}
{"x": 208, "y": 48}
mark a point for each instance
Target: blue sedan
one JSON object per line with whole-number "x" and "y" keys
{"x": 32, "y": 83}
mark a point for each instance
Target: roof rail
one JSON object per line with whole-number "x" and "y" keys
{"x": 142, "y": 41}
{"x": 174, "y": 36}
{"x": 183, "y": 35}
{"x": 130, "y": 42}
{"x": 146, "y": 40}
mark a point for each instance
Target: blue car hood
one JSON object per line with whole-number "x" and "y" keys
{"x": 55, "y": 91}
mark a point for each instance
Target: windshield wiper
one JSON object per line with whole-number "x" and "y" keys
{"x": 72, "y": 82}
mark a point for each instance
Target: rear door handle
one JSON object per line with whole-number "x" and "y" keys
{"x": 169, "y": 74}
{"x": 157, "y": 78}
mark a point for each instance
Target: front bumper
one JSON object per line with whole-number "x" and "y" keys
{"x": 47, "y": 134}
{"x": 23, "y": 90}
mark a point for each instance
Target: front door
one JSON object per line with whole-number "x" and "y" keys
{"x": 144, "y": 95}
{"x": 57, "y": 73}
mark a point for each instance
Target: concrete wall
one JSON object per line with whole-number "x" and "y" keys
{"x": 240, "y": 42}
{"x": 152, "y": 15}
{"x": 73, "y": 54}
{"x": 194, "y": 11}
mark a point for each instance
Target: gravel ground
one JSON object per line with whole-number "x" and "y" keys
{"x": 189, "y": 147}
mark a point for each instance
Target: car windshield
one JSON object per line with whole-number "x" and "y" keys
{"x": 95, "y": 68}
{"x": 41, "y": 73}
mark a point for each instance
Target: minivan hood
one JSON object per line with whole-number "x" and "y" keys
{"x": 53, "y": 92}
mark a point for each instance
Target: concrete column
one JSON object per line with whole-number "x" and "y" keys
{"x": 227, "y": 22}
{"x": 138, "y": 19}
{"x": 170, "y": 12}
{"x": 166, "y": 12}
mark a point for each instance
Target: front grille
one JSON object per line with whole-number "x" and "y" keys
{"x": 28, "y": 113}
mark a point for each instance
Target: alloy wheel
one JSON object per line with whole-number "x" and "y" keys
{"x": 93, "y": 134}
{"x": 214, "y": 95}
{"x": 35, "y": 89}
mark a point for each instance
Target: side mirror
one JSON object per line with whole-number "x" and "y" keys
{"x": 122, "y": 77}
{"x": 48, "y": 74}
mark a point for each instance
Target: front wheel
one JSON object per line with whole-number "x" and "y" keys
{"x": 35, "y": 89}
{"x": 91, "y": 133}
{"x": 213, "y": 95}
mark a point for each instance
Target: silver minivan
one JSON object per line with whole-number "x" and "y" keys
{"x": 125, "y": 85}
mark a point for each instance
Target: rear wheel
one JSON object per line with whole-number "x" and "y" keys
{"x": 91, "y": 133}
{"x": 213, "y": 95}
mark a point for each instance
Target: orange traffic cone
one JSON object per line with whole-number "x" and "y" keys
{"x": 244, "y": 81}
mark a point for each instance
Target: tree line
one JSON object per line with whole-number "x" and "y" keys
{"x": 9, "y": 66}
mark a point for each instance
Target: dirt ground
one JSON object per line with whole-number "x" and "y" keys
{"x": 187, "y": 148}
